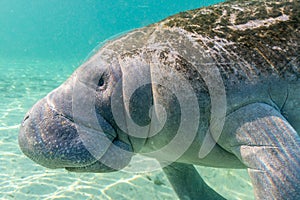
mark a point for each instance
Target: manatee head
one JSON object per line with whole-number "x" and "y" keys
{"x": 73, "y": 128}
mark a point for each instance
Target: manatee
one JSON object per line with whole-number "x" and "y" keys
{"x": 217, "y": 86}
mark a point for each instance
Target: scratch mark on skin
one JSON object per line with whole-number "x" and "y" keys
{"x": 268, "y": 61}
{"x": 252, "y": 24}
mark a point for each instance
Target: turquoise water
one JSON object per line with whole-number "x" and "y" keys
{"x": 41, "y": 44}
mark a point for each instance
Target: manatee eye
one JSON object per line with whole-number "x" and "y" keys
{"x": 101, "y": 82}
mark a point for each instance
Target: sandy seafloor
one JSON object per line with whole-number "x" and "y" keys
{"x": 22, "y": 84}
{"x": 32, "y": 33}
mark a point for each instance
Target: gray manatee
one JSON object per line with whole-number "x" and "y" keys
{"x": 217, "y": 86}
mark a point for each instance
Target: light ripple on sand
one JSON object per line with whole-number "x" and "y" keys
{"x": 10, "y": 127}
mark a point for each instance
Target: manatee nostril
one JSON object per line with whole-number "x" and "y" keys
{"x": 25, "y": 118}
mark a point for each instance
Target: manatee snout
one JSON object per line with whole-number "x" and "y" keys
{"x": 51, "y": 137}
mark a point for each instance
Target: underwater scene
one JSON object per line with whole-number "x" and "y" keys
{"x": 41, "y": 44}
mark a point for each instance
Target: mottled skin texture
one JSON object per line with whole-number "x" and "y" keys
{"x": 252, "y": 45}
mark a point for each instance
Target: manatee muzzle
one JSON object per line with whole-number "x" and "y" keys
{"x": 52, "y": 139}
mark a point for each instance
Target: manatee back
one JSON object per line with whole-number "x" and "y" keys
{"x": 248, "y": 39}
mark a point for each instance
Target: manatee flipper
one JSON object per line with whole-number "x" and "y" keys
{"x": 270, "y": 148}
{"x": 187, "y": 182}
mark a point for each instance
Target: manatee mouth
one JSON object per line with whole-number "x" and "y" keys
{"x": 54, "y": 140}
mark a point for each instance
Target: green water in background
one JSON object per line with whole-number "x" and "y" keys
{"x": 41, "y": 43}
{"x": 69, "y": 30}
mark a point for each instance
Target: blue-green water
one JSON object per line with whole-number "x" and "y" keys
{"x": 41, "y": 43}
